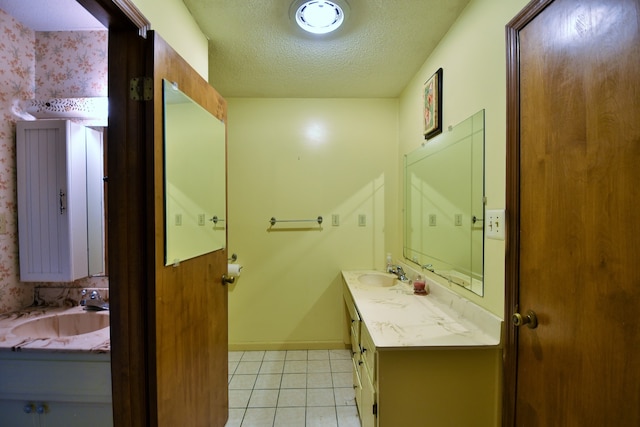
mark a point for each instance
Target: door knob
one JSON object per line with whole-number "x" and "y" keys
{"x": 530, "y": 319}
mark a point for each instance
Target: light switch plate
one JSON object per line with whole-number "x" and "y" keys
{"x": 494, "y": 224}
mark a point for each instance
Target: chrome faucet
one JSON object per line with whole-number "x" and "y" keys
{"x": 398, "y": 271}
{"x": 95, "y": 301}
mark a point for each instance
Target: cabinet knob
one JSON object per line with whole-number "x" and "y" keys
{"x": 28, "y": 408}
{"x": 42, "y": 408}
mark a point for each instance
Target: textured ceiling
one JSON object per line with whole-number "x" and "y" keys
{"x": 256, "y": 50}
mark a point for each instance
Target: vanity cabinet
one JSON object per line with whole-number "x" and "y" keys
{"x": 56, "y": 224}
{"x": 68, "y": 390}
{"x": 421, "y": 386}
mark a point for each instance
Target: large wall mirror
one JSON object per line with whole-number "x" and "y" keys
{"x": 444, "y": 204}
{"x": 194, "y": 163}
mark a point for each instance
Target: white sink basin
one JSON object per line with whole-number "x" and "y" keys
{"x": 63, "y": 325}
{"x": 377, "y": 279}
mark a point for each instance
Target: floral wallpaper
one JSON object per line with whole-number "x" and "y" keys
{"x": 71, "y": 64}
{"x": 38, "y": 65}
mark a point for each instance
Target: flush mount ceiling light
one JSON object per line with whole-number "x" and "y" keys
{"x": 319, "y": 16}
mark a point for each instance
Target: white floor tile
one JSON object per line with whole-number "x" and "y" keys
{"x": 342, "y": 379}
{"x": 259, "y": 417}
{"x": 235, "y": 356}
{"x": 347, "y": 416}
{"x": 291, "y": 397}
{"x": 296, "y": 355}
{"x": 263, "y": 399}
{"x": 252, "y": 356}
{"x": 272, "y": 355}
{"x": 341, "y": 365}
{"x": 268, "y": 381}
{"x": 290, "y": 417}
{"x": 340, "y": 354}
{"x": 243, "y": 382}
{"x": 235, "y": 417}
{"x": 321, "y": 417}
{"x": 272, "y": 367}
{"x": 318, "y": 354}
{"x": 345, "y": 396}
{"x": 295, "y": 366}
{"x": 318, "y": 366}
{"x": 248, "y": 368}
{"x": 321, "y": 380}
{"x": 233, "y": 364}
{"x": 239, "y": 398}
{"x": 294, "y": 381}
{"x": 320, "y": 397}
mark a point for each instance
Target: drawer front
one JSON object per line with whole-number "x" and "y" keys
{"x": 368, "y": 352}
{"x": 351, "y": 306}
{"x": 357, "y": 384}
{"x": 355, "y": 342}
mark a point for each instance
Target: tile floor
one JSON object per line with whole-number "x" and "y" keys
{"x": 293, "y": 388}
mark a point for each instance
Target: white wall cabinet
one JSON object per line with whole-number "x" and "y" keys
{"x": 55, "y": 390}
{"x": 56, "y": 223}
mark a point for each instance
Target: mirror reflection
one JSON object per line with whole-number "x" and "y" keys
{"x": 194, "y": 162}
{"x": 444, "y": 204}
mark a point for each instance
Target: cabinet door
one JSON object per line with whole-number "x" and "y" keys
{"x": 13, "y": 414}
{"x": 64, "y": 414}
{"x": 52, "y": 211}
{"x": 368, "y": 410}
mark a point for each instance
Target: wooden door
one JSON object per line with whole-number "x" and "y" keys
{"x": 168, "y": 326}
{"x": 573, "y": 194}
{"x": 190, "y": 301}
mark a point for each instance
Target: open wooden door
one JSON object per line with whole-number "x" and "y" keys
{"x": 573, "y": 185}
{"x": 168, "y": 325}
{"x": 190, "y": 349}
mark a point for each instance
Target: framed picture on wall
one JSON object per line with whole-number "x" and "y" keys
{"x": 432, "y": 95}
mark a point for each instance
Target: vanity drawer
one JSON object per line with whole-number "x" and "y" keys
{"x": 355, "y": 344}
{"x": 353, "y": 315}
{"x": 368, "y": 352}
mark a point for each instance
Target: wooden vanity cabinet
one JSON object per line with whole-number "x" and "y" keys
{"x": 424, "y": 386}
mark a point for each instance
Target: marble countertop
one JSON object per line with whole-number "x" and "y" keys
{"x": 93, "y": 342}
{"x": 397, "y": 318}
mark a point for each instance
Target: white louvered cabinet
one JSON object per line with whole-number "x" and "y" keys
{"x": 52, "y": 199}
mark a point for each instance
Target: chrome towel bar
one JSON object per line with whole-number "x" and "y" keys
{"x": 273, "y": 220}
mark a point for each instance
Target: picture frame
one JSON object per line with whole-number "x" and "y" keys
{"x": 432, "y": 97}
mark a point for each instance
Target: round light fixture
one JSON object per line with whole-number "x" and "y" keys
{"x": 318, "y": 16}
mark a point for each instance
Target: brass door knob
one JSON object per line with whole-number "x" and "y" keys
{"x": 530, "y": 319}
{"x": 226, "y": 279}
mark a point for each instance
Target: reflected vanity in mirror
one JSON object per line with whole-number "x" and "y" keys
{"x": 444, "y": 204}
{"x": 194, "y": 162}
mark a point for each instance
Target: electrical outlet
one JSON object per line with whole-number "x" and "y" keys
{"x": 201, "y": 219}
{"x": 178, "y": 219}
{"x": 432, "y": 220}
{"x": 335, "y": 220}
{"x": 494, "y": 224}
{"x": 458, "y": 220}
{"x": 362, "y": 220}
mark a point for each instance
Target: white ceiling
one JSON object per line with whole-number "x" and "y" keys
{"x": 256, "y": 50}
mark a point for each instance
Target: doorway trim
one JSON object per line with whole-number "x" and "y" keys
{"x": 512, "y": 254}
